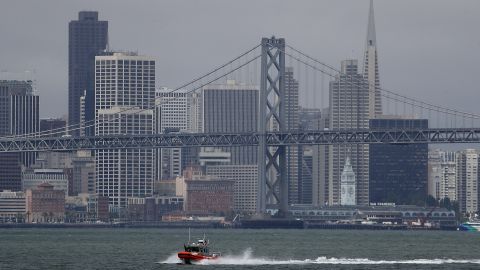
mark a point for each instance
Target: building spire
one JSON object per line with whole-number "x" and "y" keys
{"x": 370, "y": 68}
{"x": 371, "y": 36}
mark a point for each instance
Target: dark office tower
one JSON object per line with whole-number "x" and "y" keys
{"x": 308, "y": 120}
{"x": 398, "y": 172}
{"x": 231, "y": 108}
{"x": 292, "y": 123}
{"x": 87, "y": 37}
{"x": 19, "y": 114}
{"x": 53, "y": 126}
{"x": 349, "y": 103}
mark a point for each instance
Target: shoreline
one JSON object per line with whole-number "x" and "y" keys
{"x": 210, "y": 225}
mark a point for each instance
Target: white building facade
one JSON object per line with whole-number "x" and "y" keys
{"x": 467, "y": 175}
{"x": 347, "y": 185}
{"x": 124, "y": 101}
{"x": 442, "y": 174}
{"x": 173, "y": 110}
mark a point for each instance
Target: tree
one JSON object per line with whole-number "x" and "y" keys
{"x": 431, "y": 201}
{"x": 446, "y": 203}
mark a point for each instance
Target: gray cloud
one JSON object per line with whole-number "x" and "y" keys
{"x": 428, "y": 49}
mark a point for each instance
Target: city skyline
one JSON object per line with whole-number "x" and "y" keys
{"x": 420, "y": 41}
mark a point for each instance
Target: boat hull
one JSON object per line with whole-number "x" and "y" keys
{"x": 469, "y": 227}
{"x": 193, "y": 257}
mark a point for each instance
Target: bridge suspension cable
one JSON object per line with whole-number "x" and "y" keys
{"x": 91, "y": 123}
{"x": 388, "y": 94}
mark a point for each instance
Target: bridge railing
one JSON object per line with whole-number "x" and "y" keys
{"x": 297, "y": 137}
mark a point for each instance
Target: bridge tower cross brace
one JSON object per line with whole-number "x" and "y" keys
{"x": 272, "y": 177}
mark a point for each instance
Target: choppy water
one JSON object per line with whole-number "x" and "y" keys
{"x": 242, "y": 249}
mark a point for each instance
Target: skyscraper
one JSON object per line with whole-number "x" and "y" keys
{"x": 442, "y": 174}
{"x": 125, "y": 96}
{"x": 349, "y": 104}
{"x": 86, "y": 38}
{"x": 467, "y": 178}
{"x": 398, "y": 173}
{"x": 231, "y": 107}
{"x": 19, "y": 114}
{"x": 172, "y": 115}
{"x": 321, "y": 165}
{"x": 292, "y": 123}
{"x": 370, "y": 68}
{"x": 309, "y": 120}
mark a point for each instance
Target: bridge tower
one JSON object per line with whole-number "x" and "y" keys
{"x": 272, "y": 177}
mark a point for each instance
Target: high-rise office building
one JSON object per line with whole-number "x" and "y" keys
{"x": 321, "y": 164}
{"x": 309, "y": 120}
{"x": 231, "y": 107}
{"x": 124, "y": 101}
{"x": 467, "y": 180}
{"x": 305, "y": 175}
{"x": 83, "y": 171}
{"x": 398, "y": 172}
{"x": 370, "y": 68}
{"x": 442, "y": 174}
{"x": 292, "y": 123}
{"x": 172, "y": 114}
{"x": 19, "y": 114}
{"x": 349, "y": 105}
{"x": 87, "y": 36}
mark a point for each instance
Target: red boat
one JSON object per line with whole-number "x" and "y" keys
{"x": 196, "y": 252}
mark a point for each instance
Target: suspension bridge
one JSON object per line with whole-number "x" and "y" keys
{"x": 265, "y": 65}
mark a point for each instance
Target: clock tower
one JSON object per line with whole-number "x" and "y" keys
{"x": 347, "y": 185}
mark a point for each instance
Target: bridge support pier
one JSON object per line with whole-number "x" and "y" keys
{"x": 272, "y": 177}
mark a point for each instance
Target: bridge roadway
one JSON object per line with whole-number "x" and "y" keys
{"x": 175, "y": 140}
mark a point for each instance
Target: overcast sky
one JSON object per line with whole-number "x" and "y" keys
{"x": 428, "y": 49}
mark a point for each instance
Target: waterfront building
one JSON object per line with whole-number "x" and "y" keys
{"x": 245, "y": 188}
{"x": 467, "y": 180}
{"x": 153, "y": 208}
{"x": 230, "y": 107}
{"x": 207, "y": 194}
{"x": 349, "y": 105}
{"x": 86, "y": 208}
{"x": 32, "y": 178}
{"x": 398, "y": 215}
{"x": 125, "y": 96}
{"x": 87, "y": 37}
{"x": 12, "y": 206}
{"x": 398, "y": 172}
{"x": 44, "y": 204}
{"x": 348, "y": 185}
{"x": 19, "y": 114}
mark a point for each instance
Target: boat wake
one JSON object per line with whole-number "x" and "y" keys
{"x": 248, "y": 259}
